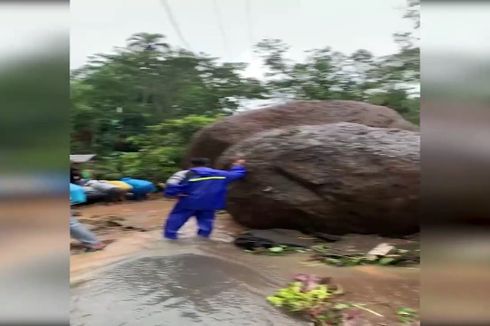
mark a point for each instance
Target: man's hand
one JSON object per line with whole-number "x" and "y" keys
{"x": 239, "y": 162}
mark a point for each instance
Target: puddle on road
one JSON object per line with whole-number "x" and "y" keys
{"x": 184, "y": 289}
{"x": 191, "y": 282}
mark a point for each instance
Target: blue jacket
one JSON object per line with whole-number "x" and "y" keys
{"x": 204, "y": 188}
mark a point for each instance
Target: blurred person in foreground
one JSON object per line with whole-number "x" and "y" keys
{"x": 78, "y": 230}
{"x": 201, "y": 191}
{"x": 75, "y": 175}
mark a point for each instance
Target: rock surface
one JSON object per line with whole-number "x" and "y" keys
{"x": 334, "y": 178}
{"x": 212, "y": 141}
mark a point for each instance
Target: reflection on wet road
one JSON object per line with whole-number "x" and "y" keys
{"x": 185, "y": 289}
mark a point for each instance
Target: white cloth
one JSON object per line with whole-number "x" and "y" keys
{"x": 177, "y": 178}
{"x": 100, "y": 185}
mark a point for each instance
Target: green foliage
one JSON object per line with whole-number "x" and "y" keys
{"x": 390, "y": 80}
{"x": 407, "y": 106}
{"x": 162, "y": 147}
{"x": 320, "y": 248}
{"x": 316, "y": 301}
{"x": 173, "y": 132}
{"x": 278, "y": 249}
{"x": 160, "y": 152}
{"x": 407, "y": 315}
{"x": 328, "y": 75}
{"x": 294, "y": 299}
{"x": 146, "y": 83}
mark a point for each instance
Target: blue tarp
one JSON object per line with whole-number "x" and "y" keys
{"x": 140, "y": 187}
{"x": 77, "y": 195}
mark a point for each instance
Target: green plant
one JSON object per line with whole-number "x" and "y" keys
{"x": 312, "y": 304}
{"x": 315, "y": 299}
{"x": 277, "y": 249}
{"x": 293, "y": 298}
{"x": 320, "y": 248}
{"x": 407, "y": 315}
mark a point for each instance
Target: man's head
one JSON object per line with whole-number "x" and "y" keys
{"x": 199, "y": 162}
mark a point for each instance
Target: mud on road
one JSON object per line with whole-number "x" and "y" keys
{"x": 115, "y": 222}
{"x": 141, "y": 279}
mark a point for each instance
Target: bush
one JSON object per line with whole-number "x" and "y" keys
{"x": 160, "y": 151}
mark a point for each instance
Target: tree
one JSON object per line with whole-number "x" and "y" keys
{"x": 147, "y": 42}
{"x": 160, "y": 150}
{"x": 138, "y": 107}
{"x": 117, "y": 95}
{"x": 326, "y": 74}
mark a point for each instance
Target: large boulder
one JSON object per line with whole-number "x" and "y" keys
{"x": 213, "y": 140}
{"x": 334, "y": 178}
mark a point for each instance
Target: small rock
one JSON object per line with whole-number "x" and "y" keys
{"x": 380, "y": 250}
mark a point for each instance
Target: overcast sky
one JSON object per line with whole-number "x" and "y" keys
{"x": 347, "y": 25}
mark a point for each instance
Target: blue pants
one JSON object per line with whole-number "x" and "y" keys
{"x": 179, "y": 216}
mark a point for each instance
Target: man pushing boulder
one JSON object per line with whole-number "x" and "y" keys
{"x": 201, "y": 191}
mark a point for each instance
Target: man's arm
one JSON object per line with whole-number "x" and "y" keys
{"x": 236, "y": 172}
{"x": 173, "y": 185}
